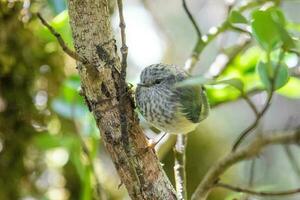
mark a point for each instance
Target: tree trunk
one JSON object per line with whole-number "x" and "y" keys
{"x": 140, "y": 170}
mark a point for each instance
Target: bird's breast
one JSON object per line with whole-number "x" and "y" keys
{"x": 161, "y": 108}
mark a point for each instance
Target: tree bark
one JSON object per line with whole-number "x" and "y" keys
{"x": 140, "y": 171}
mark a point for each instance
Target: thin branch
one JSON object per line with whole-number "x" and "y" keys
{"x": 252, "y": 172}
{"x": 292, "y": 159}
{"x": 251, "y": 176}
{"x": 206, "y": 39}
{"x": 179, "y": 167}
{"x": 122, "y": 81}
{"x": 257, "y": 193}
{"x": 251, "y": 104}
{"x": 190, "y": 64}
{"x": 240, "y": 30}
{"x": 254, "y": 123}
{"x": 62, "y": 43}
{"x": 199, "y": 35}
{"x": 123, "y": 98}
{"x": 264, "y": 109}
{"x": 181, "y": 142}
{"x": 294, "y": 51}
{"x": 248, "y": 152}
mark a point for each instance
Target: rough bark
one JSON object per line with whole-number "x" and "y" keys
{"x": 140, "y": 171}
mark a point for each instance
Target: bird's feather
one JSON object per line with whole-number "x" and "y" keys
{"x": 191, "y": 102}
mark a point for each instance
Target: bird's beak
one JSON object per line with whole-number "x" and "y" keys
{"x": 142, "y": 85}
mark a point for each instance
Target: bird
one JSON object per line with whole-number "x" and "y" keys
{"x": 171, "y": 109}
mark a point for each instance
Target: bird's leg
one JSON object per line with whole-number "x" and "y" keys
{"x": 152, "y": 143}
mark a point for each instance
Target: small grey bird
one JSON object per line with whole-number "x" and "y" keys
{"x": 176, "y": 110}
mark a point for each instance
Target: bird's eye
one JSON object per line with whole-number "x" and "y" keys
{"x": 157, "y": 81}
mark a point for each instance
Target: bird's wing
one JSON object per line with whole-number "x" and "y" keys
{"x": 191, "y": 102}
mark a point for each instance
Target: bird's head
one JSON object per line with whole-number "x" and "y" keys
{"x": 159, "y": 74}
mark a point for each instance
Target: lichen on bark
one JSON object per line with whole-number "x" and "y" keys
{"x": 141, "y": 171}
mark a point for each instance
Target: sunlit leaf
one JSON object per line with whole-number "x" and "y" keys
{"x": 221, "y": 93}
{"x": 268, "y": 27}
{"x": 264, "y": 29}
{"x": 46, "y": 141}
{"x": 293, "y": 26}
{"x": 236, "y": 17}
{"x": 291, "y": 89}
{"x": 234, "y": 196}
{"x": 234, "y": 82}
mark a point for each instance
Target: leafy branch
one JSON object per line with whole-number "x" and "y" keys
{"x": 202, "y": 42}
{"x": 256, "y": 193}
{"x": 272, "y": 75}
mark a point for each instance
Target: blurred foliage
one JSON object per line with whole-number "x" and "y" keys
{"x": 254, "y": 68}
{"x": 49, "y": 142}
{"x": 27, "y": 77}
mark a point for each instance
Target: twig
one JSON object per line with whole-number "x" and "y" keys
{"x": 238, "y": 29}
{"x": 179, "y": 167}
{"x": 206, "y": 39}
{"x": 264, "y": 109}
{"x": 122, "y": 81}
{"x": 251, "y": 104}
{"x": 256, "y": 193}
{"x": 122, "y": 98}
{"x": 252, "y": 172}
{"x": 181, "y": 142}
{"x": 292, "y": 159}
{"x": 199, "y": 35}
{"x": 191, "y": 62}
{"x": 251, "y": 150}
{"x": 62, "y": 43}
{"x": 189, "y": 65}
{"x": 251, "y": 176}
{"x": 254, "y": 123}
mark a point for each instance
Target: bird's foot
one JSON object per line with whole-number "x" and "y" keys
{"x": 152, "y": 143}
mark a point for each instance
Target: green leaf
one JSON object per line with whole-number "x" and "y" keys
{"x": 277, "y": 15}
{"x": 282, "y": 77}
{"x": 264, "y": 30}
{"x": 221, "y": 93}
{"x": 196, "y": 80}
{"x": 262, "y": 70}
{"x": 234, "y": 82}
{"x": 288, "y": 42}
{"x": 265, "y": 77}
{"x": 46, "y": 141}
{"x": 235, "y": 196}
{"x": 237, "y": 18}
{"x": 268, "y": 28}
{"x": 291, "y": 89}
